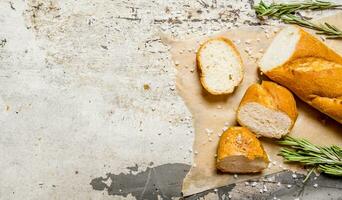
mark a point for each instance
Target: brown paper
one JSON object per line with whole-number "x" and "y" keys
{"x": 213, "y": 113}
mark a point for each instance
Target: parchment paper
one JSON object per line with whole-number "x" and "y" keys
{"x": 214, "y": 113}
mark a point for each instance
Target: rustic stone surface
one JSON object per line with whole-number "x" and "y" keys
{"x": 87, "y": 88}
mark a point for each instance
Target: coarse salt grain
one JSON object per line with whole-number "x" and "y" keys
{"x": 289, "y": 186}
{"x": 208, "y": 131}
{"x": 315, "y": 185}
{"x": 254, "y": 184}
{"x": 235, "y": 176}
{"x": 294, "y": 175}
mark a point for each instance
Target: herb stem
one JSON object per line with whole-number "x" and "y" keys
{"x": 327, "y": 159}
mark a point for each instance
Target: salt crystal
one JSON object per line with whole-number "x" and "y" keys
{"x": 235, "y": 176}
{"x": 254, "y": 184}
{"x": 196, "y": 152}
{"x": 209, "y": 131}
{"x": 246, "y": 183}
{"x": 237, "y": 41}
{"x": 224, "y": 128}
{"x": 229, "y": 196}
{"x": 261, "y": 191}
{"x": 278, "y": 184}
{"x": 315, "y": 185}
{"x": 215, "y": 190}
{"x": 294, "y": 176}
{"x": 289, "y": 186}
{"x": 265, "y": 188}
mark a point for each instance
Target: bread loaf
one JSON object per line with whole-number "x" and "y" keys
{"x": 239, "y": 151}
{"x": 220, "y": 66}
{"x": 267, "y": 110}
{"x": 306, "y": 66}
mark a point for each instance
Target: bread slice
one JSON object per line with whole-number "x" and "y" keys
{"x": 220, "y": 66}
{"x": 306, "y": 66}
{"x": 239, "y": 151}
{"x": 267, "y": 110}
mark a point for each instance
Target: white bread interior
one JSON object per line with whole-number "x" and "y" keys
{"x": 241, "y": 164}
{"x": 264, "y": 121}
{"x": 281, "y": 49}
{"x": 220, "y": 65}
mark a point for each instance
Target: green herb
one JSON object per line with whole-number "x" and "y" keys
{"x": 276, "y": 10}
{"x": 326, "y": 159}
{"x": 332, "y": 32}
{"x": 285, "y": 12}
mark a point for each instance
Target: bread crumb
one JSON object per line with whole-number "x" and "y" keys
{"x": 146, "y": 86}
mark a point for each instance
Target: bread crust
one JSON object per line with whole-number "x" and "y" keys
{"x": 314, "y": 74}
{"x": 272, "y": 96}
{"x": 239, "y": 141}
{"x": 199, "y": 64}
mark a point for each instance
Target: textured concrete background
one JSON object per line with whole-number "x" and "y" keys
{"x": 87, "y": 95}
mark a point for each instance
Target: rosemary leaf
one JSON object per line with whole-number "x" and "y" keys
{"x": 327, "y": 159}
{"x": 276, "y": 10}
{"x": 285, "y": 12}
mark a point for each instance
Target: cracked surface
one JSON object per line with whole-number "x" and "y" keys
{"x": 80, "y": 80}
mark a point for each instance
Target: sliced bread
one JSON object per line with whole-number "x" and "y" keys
{"x": 239, "y": 151}
{"x": 220, "y": 66}
{"x": 306, "y": 66}
{"x": 267, "y": 110}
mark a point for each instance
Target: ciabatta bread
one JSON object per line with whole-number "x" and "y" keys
{"x": 239, "y": 151}
{"x": 306, "y": 66}
{"x": 220, "y": 66}
{"x": 267, "y": 110}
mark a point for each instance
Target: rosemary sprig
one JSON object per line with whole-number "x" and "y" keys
{"x": 285, "y": 12}
{"x": 326, "y": 159}
{"x": 331, "y": 31}
{"x": 276, "y": 10}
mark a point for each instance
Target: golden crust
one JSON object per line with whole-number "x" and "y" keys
{"x": 199, "y": 63}
{"x": 239, "y": 141}
{"x": 314, "y": 74}
{"x": 272, "y": 96}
